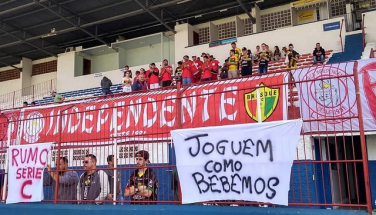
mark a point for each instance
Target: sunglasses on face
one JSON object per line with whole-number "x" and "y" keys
{"x": 85, "y": 161}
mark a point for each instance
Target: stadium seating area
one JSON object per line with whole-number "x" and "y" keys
{"x": 80, "y": 94}
{"x": 276, "y": 66}
{"x": 304, "y": 61}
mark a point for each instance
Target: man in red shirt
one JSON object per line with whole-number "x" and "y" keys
{"x": 214, "y": 67}
{"x": 187, "y": 75}
{"x": 166, "y": 72}
{"x": 153, "y": 76}
{"x": 206, "y": 68}
{"x": 198, "y": 70}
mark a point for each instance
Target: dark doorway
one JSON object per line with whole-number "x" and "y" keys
{"x": 87, "y": 67}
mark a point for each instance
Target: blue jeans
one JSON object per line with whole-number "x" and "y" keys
{"x": 321, "y": 59}
{"x": 187, "y": 81}
{"x": 206, "y": 79}
{"x": 107, "y": 92}
{"x": 262, "y": 70}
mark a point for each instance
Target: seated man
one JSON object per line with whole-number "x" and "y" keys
{"x": 142, "y": 185}
{"x": 318, "y": 54}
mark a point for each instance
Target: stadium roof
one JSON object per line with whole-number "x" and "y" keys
{"x": 26, "y": 25}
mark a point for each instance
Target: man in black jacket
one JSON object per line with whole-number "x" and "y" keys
{"x": 106, "y": 86}
{"x": 318, "y": 54}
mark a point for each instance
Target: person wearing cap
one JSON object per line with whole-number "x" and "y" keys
{"x": 142, "y": 186}
{"x": 187, "y": 74}
{"x": 152, "y": 76}
{"x": 57, "y": 97}
{"x": 166, "y": 72}
{"x": 214, "y": 67}
{"x": 246, "y": 62}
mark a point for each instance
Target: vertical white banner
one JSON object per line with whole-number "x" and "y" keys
{"x": 327, "y": 96}
{"x": 26, "y": 165}
{"x": 250, "y": 162}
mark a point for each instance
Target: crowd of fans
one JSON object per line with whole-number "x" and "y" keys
{"x": 239, "y": 64}
{"x": 207, "y": 68}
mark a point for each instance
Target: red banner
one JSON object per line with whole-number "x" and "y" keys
{"x": 9, "y": 121}
{"x": 152, "y": 115}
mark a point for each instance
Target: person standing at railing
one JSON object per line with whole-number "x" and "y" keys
{"x": 142, "y": 184}
{"x": 215, "y": 67}
{"x": 166, "y": 72}
{"x": 57, "y": 97}
{"x": 206, "y": 68}
{"x": 246, "y": 62}
{"x": 127, "y": 82}
{"x": 293, "y": 58}
{"x": 186, "y": 70}
{"x": 263, "y": 59}
{"x": 106, "y": 84}
{"x": 153, "y": 77}
{"x": 111, "y": 174}
{"x": 93, "y": 184}
{"x": 140, "y": 84}
{"x": 68, "y": 180}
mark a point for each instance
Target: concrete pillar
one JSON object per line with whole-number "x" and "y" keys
{"x": 257, "y": 15}
{"x": 27, "y": 69}
{"x": 66, "y": 66}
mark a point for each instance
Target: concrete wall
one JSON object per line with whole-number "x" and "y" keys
{"x": 103, "y": 63}
{"x": 14, "y": 85}
{"x": 369, "y": 22}
{"x": 69, "y": 66}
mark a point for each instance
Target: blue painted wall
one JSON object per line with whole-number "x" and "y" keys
{"x": 372, "y": 178}
{"x": 38, "y": 209}
{"x": 302, "y": 186}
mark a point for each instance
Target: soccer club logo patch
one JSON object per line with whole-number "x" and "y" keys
{"x": 326, "y": 93}
{"x": 269, "y": 98}
{"x": 34, "y": 124}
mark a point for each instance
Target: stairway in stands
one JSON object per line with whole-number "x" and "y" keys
{"x": 353, "y": 49}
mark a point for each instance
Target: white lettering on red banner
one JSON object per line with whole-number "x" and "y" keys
{"x": 151, "y": 116}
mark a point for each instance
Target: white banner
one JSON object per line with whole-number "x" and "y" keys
{"x": 250, "y": 162}
{"x": 25, "y": 177}
{"x": 328, "y": 92}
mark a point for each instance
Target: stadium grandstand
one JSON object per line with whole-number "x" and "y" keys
{"x": 107, "y": 88}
